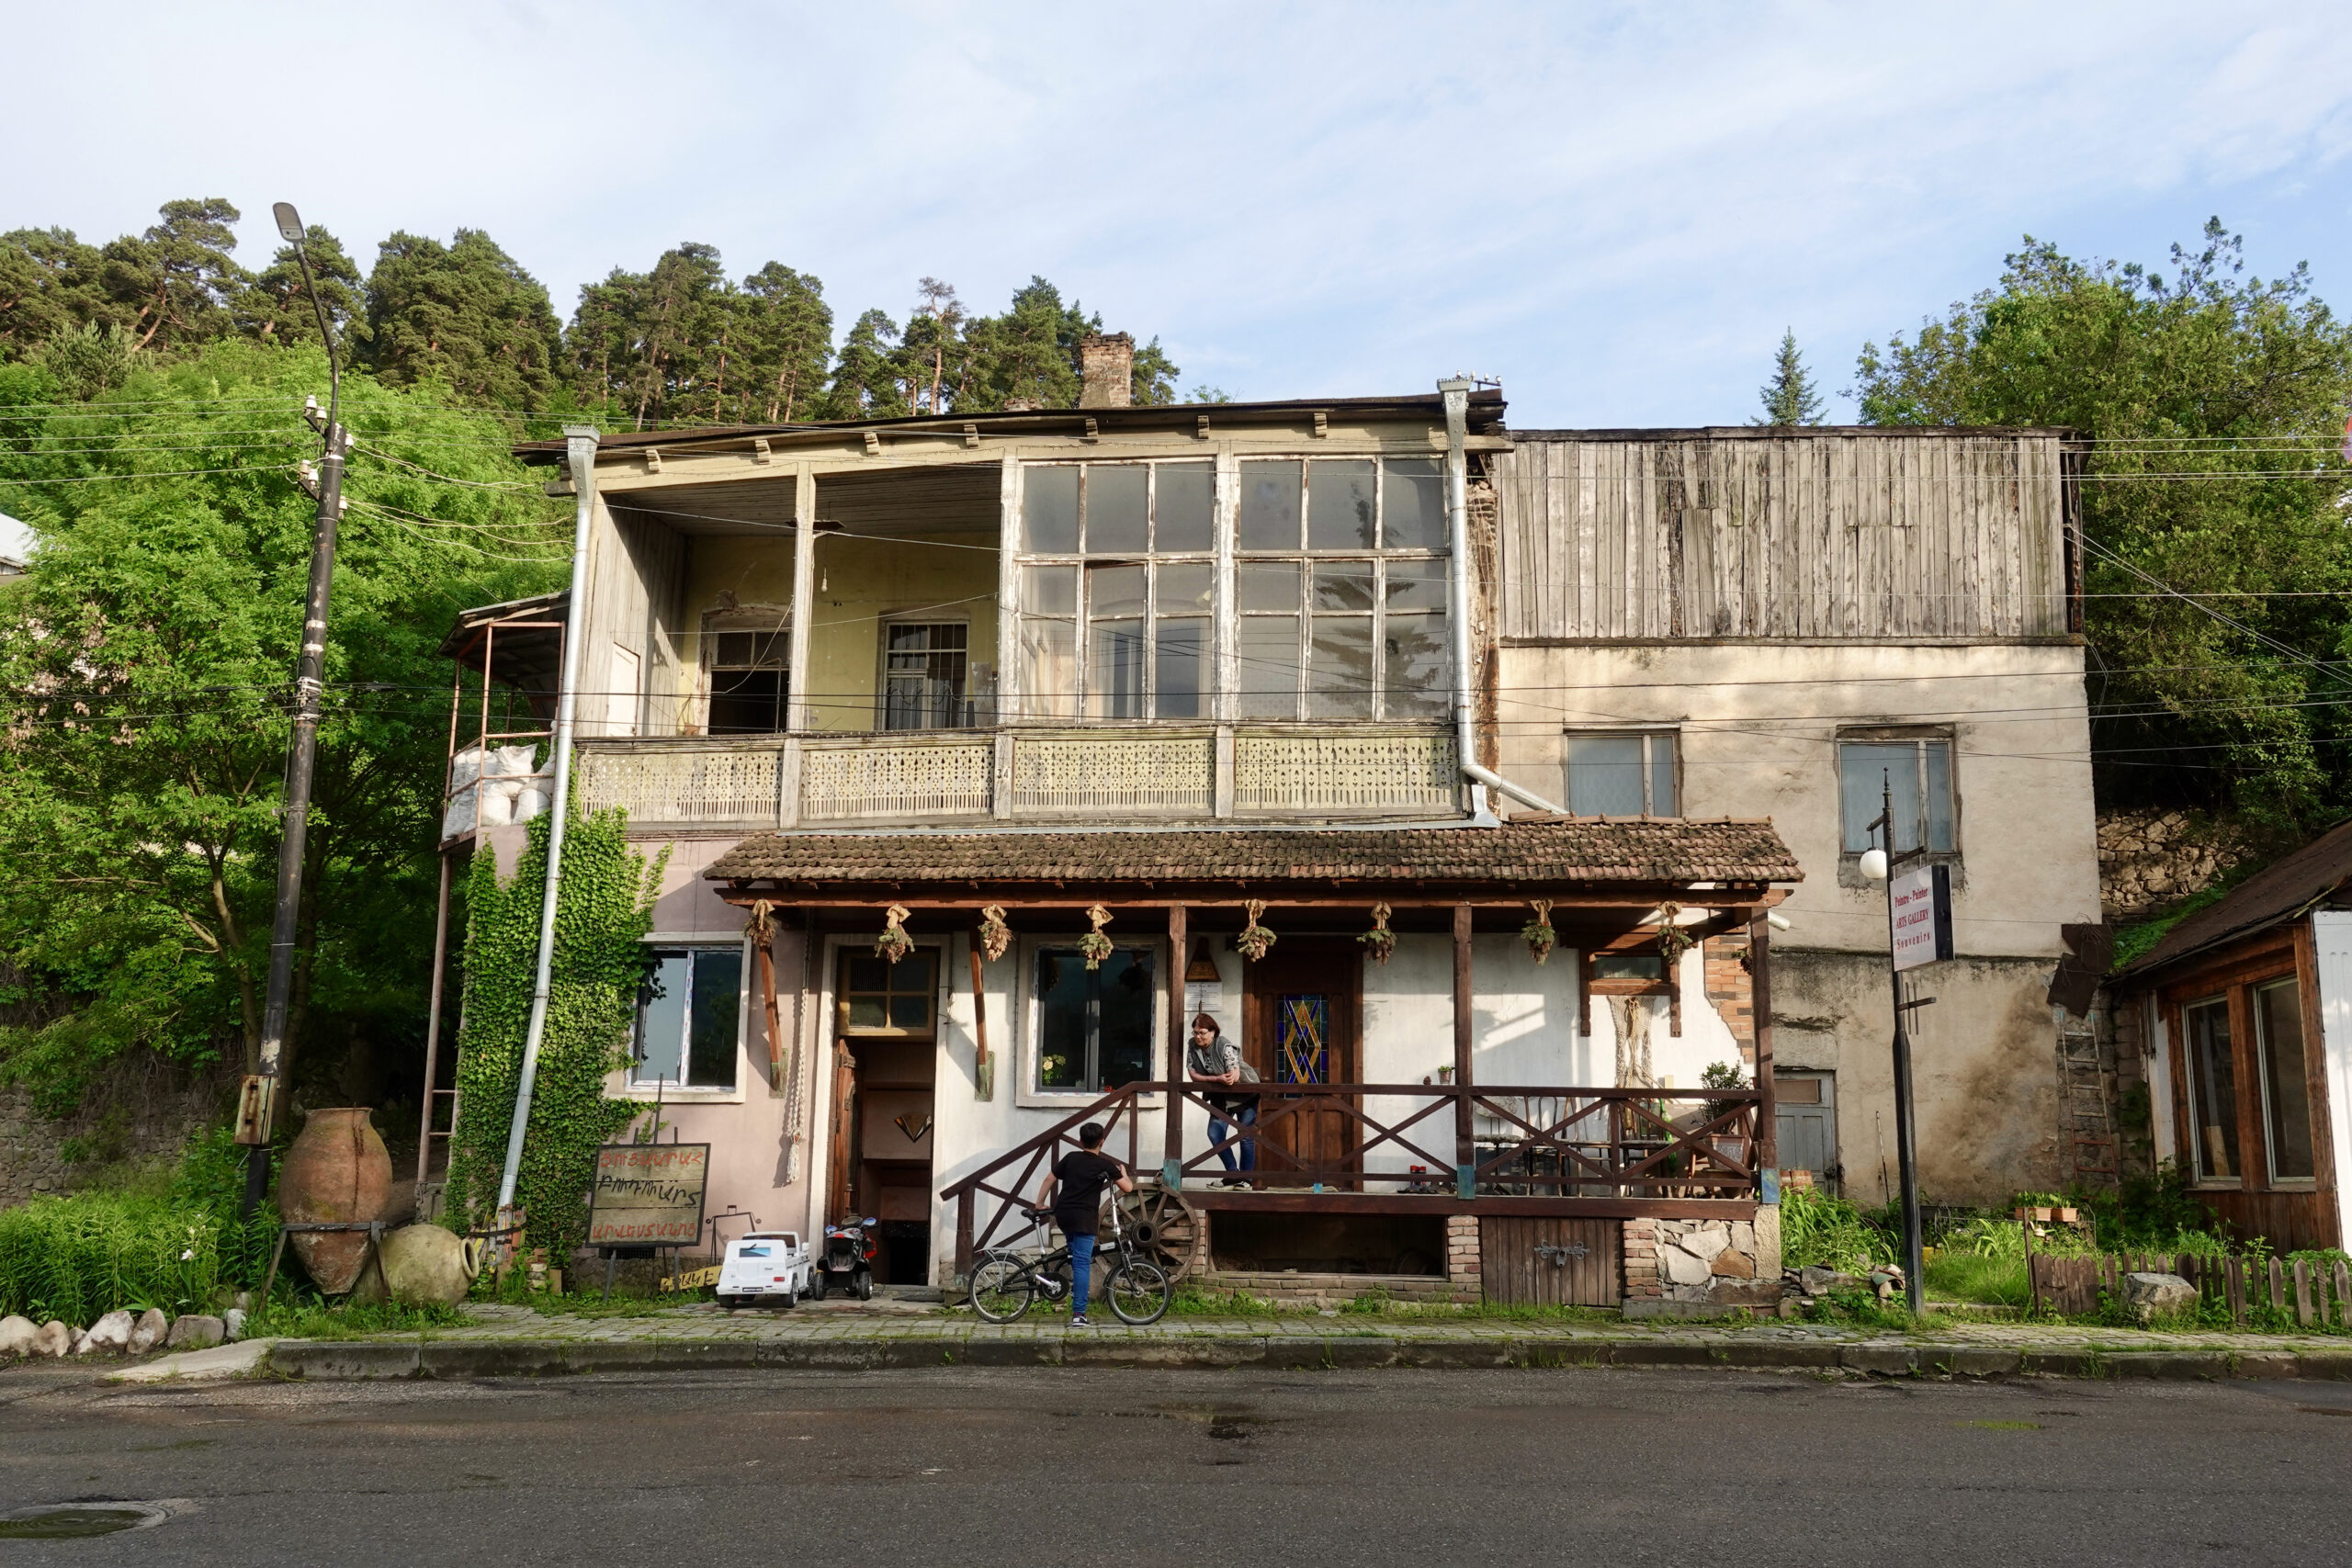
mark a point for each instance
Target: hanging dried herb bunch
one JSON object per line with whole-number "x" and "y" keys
{"x": 996, "y": 937}
{"x": 1380, "y": 938}
{"x": 1537, "y": 933}
{"x": 1094, "y": 944}
{"x": 1673, "y": 941}
{"x": 894, "y": 944}
{"x": 1254, "y": 939}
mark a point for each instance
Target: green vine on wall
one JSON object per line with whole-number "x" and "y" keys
{"x": 604, "y": 909}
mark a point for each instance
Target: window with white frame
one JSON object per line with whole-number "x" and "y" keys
{"x": 1628, "y": 774}
{"x": 1094, "y": 1026}
{"x": 924, "y": 672}
{"x": 746, "y": 664}
{"x": 1910, "y": 772}
{"x": 1340, "y": 584}
{"x": 1117, "y": 590}
{"x": 689, "y": 1019}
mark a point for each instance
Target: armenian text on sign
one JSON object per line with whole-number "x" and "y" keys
{"x": 648, "y": 1194}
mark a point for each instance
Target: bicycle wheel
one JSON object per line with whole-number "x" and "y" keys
{"x": 1001, "y": 1288}
{"x": 1138, "y": 1291}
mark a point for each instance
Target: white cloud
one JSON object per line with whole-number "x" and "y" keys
{"x": 1617, "y": 212}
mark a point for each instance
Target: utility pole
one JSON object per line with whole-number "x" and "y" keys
{"x": 1907, "y": 1152}
{"x": 257, "y": 1113}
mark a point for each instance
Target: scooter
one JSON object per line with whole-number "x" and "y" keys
{"x": 847, "y": 1261}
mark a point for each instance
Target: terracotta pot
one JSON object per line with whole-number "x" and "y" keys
{"x": 337, "y": 1169}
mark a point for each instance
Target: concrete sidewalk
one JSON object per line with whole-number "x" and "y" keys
{"x": 516, "y": 1341}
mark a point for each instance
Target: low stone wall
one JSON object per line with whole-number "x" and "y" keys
{"x": 1690, "y": 1268}
{"x": 2149, "y": 860}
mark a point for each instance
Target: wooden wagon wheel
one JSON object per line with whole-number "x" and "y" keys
{"x": 1162, "y": 1226}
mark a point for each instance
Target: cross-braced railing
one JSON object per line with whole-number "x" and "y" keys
{"x": 1578, "y": 1148}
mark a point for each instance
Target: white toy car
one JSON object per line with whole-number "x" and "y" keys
{"x": 764, "y": 1264}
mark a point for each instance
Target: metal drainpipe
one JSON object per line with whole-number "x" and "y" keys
{"x": 579, "y": 450}
{"x": 1457, "y": 392}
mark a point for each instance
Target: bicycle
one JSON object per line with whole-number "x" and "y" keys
{"x": 1005, "y": 1284}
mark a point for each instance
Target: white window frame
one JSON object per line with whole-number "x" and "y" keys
{"x": 621, "y": 1082}
{"x": 882, "y": 667}
{"x": 1645, "y": 734}
{"x": 770, "y": 620}
{"x": 1918, "y": 737}
{"x": 1029, "y": 1089}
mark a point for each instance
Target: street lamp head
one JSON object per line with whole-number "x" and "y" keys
{"x": 1873, "y": 866}
{"x": 290, "y": 222}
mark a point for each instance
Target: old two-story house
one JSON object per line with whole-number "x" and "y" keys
{"x": 1456, "y": 772}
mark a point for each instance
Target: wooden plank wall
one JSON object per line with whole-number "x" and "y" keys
{"x": 1722, "y": 534}
{"x": 1585, "y": 1268}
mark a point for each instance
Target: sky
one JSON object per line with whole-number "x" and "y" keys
{"x": 1615, "y": 211}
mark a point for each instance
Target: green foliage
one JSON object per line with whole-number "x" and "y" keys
{"x": 464, "y": 315}
{"x": 2216, "y": 400}
{"x": 1829, "y": 1233}
{"x": 604, "y": 909}
{"x": 297, "y": 1316}
{"x": 1789, "y": 397}
{"x": 77, "y": 1258}
{"x": 145, "y": 655}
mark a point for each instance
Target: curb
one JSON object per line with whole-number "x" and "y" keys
{"x": 351, "y": 1360}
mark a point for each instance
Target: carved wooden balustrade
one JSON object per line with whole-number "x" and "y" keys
{"x": 1161, "y": 772}
{"x": 1394, "y": 1148}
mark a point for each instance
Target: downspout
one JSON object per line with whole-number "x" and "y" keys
{"x": 1455, "y": 390}
{"x": 579, "y": 450}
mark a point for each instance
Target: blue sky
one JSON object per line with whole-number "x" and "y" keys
{"x": 1614, "y": 211}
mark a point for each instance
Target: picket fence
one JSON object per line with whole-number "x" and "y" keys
{"x": 2317, "y": 1294}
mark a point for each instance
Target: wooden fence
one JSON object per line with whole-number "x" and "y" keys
{"x": 2317, "y": 1294}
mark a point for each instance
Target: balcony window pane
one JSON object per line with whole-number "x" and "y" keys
{"x": 1184, "y": 515}
{"x": 1867, "y": 771}
{"x": 1269, "y": 506}
{"x": 1116, "y": 509}
{"x": 1049, "y": 590}
{"x": 1339, "y": 513}
{"x": 1115, "y": 669}
{"x": 1605, "y": 775}
{"x": 1418, "y": 678}
{"x": 1049, "y": 668}
{"x": 1662, "y": 803}
{"x": 923, "y": 676}
{"x": 1187, "y": 588}
{"x": 1413, "y": 510}
{"x": 1113, "y": 591}
{"x": 2212, "y": 1089}
{"x": 1182, "y": 648}
{"x": 2286, "y": 1091}
{"x": 1266, "y": 584}
{"x": 1338, "y": 681}
{"x": 1416, "y": 585}
{"x": 747, "y": 702}
{"x": 1050, "y": 510}
{"x": 1344, "y": 585}
{"x": 1267, "y": 678}
{"x": 711, "y": 1031}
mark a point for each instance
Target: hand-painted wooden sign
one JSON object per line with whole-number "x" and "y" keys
{"x": 648, "y": 1194}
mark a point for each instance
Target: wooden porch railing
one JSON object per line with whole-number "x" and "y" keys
{"x": 1566, "y": 1150}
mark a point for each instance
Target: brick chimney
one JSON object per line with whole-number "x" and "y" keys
{"x": 1106, "y": 370}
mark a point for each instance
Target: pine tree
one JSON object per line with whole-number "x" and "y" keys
{"x": 466, "y": 313}
{"x": 1789, "y": 397}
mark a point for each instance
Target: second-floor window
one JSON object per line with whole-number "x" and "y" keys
{"x": 1118, "y": 590}
{"x": 1911, "y": 772}
{"x": 748, "y": 681}
{"x": 924, "y": 672}
{"x": 1622, "y": 776}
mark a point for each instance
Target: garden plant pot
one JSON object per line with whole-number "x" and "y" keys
{"x": 338, "y": 1169}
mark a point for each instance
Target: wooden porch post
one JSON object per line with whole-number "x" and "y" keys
{"x": 1465, "y": 1153}
{"x": 1759, "y": 1002}
{"x": 1171, "y": 1162}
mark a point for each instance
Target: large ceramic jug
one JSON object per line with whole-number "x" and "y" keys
{"x": 337, "y": 1169}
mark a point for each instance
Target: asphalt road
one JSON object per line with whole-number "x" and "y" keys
{"x": 1286, "y": 1471}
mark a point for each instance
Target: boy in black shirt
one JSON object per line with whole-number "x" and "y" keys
{"x": 1074, "y": 1193}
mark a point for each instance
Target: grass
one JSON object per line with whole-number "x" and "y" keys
{"x": 309, "y": 1317}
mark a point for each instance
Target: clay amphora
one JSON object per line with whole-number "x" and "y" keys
{"x": 337, "y": 1169}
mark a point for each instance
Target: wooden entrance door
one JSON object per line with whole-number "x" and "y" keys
{"x": 1300, "y": 1027}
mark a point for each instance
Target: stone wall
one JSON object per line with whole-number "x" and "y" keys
{"x": 1700, "y": 1267}
{"x": 2151, "y": 859}
{"x": 141, "y": 1109}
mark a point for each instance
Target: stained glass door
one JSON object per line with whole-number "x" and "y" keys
{"x": 1301, "y": 1030}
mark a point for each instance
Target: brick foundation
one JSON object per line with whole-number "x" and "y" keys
{"x": 1319, "y": 1291}
{"x": 1641, "y": 1261}
{"x": 1462, "y": 1252}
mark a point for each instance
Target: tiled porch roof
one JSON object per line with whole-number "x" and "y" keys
{"x": 1556, "y": 850}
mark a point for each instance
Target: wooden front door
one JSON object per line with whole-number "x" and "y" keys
{"x": 1300, "y": 1027}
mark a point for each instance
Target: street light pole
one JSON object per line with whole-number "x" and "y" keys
{"x": 1906, "y": 1154}
{"x": 301, "y": 753}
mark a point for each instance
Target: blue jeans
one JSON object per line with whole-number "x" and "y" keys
{"x": 1224, "y": 1124}
{"x": 1081, "y": 1270}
